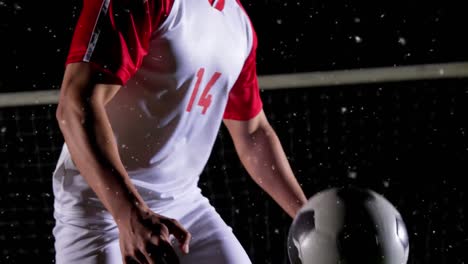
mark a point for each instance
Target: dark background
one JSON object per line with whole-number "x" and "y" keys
{"x": 406, "y": 140}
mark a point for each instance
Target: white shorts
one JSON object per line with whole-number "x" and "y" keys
{"x": 96, "y": 241}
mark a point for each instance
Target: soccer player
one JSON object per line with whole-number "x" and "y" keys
{"x": 146, "y": 86}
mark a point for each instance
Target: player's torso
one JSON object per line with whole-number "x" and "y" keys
{"x": 176, "y": 100}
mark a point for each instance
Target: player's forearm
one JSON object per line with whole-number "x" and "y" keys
{"x": 263, "y": 157}
{"x": 89, "y": 138}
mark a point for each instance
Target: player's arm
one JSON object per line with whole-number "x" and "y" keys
{"x": 86, "y": 129}
{"x": 262, "y": 155}
{"x": 256, "y": 142}
{"x": 109, "y": 44}
{"x": 84, "y": 123}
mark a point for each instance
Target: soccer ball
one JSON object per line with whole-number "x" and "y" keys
{"x": 348, "y": 225}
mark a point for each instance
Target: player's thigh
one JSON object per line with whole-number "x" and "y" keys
{"x": 220, "y": 249}
{"x": 75, "y": 243}
{"x": 213, "y": 240}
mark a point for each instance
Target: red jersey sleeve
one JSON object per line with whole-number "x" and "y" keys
{"x": 244, "y": 100}
{"x": 114, "y": 35}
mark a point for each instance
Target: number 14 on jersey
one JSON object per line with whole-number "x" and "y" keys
{"x": 205, "y": 99}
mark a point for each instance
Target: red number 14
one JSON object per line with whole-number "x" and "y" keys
{"x": 205, "y": 99}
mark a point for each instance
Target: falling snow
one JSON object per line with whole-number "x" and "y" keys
{"x": 358, "y": 39}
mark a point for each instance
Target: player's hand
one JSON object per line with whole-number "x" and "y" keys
{"x": 144, "y": 238}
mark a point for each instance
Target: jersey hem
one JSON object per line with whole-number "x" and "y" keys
{"x": 88, "y": 213}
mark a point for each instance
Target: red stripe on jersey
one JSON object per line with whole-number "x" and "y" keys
{"x": 220, "y": 5}
{"x": 244, "y": 100}
{"x": 114, "y": 35}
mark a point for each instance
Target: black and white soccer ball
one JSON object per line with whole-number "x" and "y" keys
{"x": 348, "y": 225}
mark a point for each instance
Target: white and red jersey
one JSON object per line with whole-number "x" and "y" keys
{"x": 184, "y": 66}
